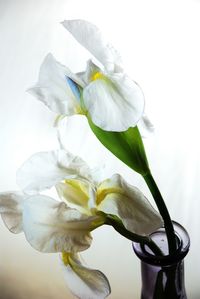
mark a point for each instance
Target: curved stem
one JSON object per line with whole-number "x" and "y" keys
{"x": 120, "y": 228}
{"x": 163, "y": 211}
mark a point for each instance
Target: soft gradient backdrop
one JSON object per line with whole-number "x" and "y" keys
{"x": 160, "y": 45}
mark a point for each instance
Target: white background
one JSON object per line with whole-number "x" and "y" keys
{"x": 160, "y": 45}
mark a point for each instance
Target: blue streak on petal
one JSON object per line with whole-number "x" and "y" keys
{"x": 74, "y": 88}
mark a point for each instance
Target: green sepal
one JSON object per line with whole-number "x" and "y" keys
{"x": 126, "y": 146}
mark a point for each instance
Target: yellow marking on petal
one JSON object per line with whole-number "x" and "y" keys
{"x": 65, "y": 258}
{"x": 101, "y": 193}
{"x": 97, "y": 75}
{"x": 76, "y": 193}
{"x": 80, "y": 186}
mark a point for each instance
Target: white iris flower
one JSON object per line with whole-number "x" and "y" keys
{"x": 65, "y": 225}
{"x": 107, "y": 95}
{"x": 75, "y": 185}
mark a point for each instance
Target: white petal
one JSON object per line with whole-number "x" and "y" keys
{"x": 77, "y": 194}
{"x": 45, "y": 169}
{"x": 129, "y": 204}
{"x": 54, "y": 89}
{"x": 145, "y": 126}
{"x": 91, "y": 70}
{"x": 80, "y": 195}
{"x": 90, "y": 37}
{"x": 85, "y": 283}
{"x": 11, "y": 210}
{"x": 51, "y": 226}
{"x": 115, "y": 102}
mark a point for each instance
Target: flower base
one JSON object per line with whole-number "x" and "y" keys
{"x": 163, "y": 276}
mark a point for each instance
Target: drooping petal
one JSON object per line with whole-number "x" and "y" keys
{"x": 54, "y": 87}
{"x": 11, "y": 210}
{"x": 114, "y": 102}
{"x": 117, "y": 197}
{"x": 85, "y": 283}
{"x": 45, "y": 169}
{"x": 51, "y": 226}
{"x": 90, "y": 37}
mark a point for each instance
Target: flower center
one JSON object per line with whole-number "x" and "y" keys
{"x": 97, "y": 75}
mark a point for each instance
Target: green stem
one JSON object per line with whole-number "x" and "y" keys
{"x": 154, "y": 247}
{"x": 120, "y": 228}
{"x": 163, "y": 211}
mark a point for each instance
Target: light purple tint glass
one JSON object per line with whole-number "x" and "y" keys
{"x": 163, "y": 276}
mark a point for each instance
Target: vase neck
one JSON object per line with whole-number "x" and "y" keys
{"x": 163, "y": 276}
{"x": 159, "y": 237}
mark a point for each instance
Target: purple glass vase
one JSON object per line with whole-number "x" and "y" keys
{"x": 163, "y": 276}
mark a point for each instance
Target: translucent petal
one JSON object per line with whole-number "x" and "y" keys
{"x": 114, "y": 102}
{"x": 76, "y": 193}
{"x": 54, "y": 89}
{"x": 45, "y": 169}
{"x": 11, "y": 210}
{"x": 117, "y": 197}
{"x": 52, "y": 226}
{"x": 90, "y": 37}
{"x": 85, "y": 283}
{"x": 145, "y": 126}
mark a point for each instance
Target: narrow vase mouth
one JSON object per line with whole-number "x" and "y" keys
{"x": 159, "y": 237}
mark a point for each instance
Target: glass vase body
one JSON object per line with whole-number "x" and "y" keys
{"x": 163, "y": 276}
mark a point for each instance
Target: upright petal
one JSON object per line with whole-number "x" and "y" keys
{"x": 11, "y": 210}
{"x": 45, "y": 169}
{"x": 51, "y": 226}
{"x": 78, "y": 194}
{"x": 54, "y": 89}
{"x": 90, "y": 37}
{"x": 115, "y": 196}
{"x": 85, "y": 283}
{"x": 114, "y": 102}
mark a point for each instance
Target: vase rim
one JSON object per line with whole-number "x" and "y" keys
{"x": 168, "y": 259}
